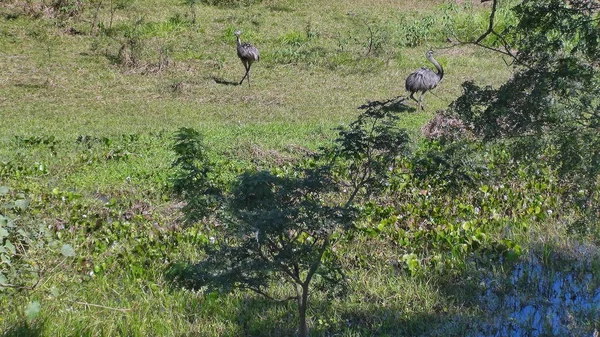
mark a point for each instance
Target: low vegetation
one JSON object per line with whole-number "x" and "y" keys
{"x": 143, "y": 194}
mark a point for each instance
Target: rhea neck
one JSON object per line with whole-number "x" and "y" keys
{"x": 238, "y": 42}
{"x": 440, "y": 70}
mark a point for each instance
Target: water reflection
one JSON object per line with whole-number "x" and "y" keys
{"x": 537, "y": 301}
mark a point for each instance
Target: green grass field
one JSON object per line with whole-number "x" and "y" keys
{"x": 313, "y": 74}
{"x": 87, "y": 139}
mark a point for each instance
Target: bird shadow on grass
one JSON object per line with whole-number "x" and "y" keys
{"x": 223, "y": 81}
{"x": 395, "y": 104}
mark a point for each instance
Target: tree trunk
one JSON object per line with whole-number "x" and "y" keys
{"x": 302, "y": 305}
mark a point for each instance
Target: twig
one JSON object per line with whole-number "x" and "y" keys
{"x": 100, "y": 306}
{"x": 14, "y": 286}
{"x": 271, "y": 298}
{"x": 490, "y": 30}
{"x": 491, "y": 23}
{"x": 50, "y": 272}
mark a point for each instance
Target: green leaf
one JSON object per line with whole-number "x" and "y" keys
{"x": 22, "y": 204}
{"x": 5, "y": 221}
{"x": 3, "y": 280}
{"x": 3, "y": 190}
{"x": 512, "y": 256}
{"x": 3, "y": 233}
{"x": 67, "y": 250}
{"x": 54, "y": 291}
{"x": 33, "y": 310}
{"x": 371, "y": 232}
{"x": 10, "y": 247}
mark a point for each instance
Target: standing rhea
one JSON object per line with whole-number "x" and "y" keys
{"x": 424, "y": 79}
{"x": 248, "y": 54}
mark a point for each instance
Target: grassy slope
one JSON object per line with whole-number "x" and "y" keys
{"x": 55, "y": 84}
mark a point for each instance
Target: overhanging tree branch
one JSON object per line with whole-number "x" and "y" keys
{"x": 490, "y": 31}
{"x": 491, "y": 23}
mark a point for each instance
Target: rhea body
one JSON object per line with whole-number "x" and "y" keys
{"x": 424, "y": 79}
{"x": 248, "y": 54}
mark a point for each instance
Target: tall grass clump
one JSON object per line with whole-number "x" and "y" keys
{"x": 139, "y": 46}
{"x": 297, "y": 47}
{"x": 450, "y": 21}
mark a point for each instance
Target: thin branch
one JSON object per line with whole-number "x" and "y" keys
{"x": 296, "y": 270}
{"x": 14, "y": 286}
{"x": 52, "y": 271}
{"x": 269, "y": 297}
{"x": 100, "y": 306}
{"x": 491, "y": 23}
{"x": 281, "y": 265}
{"x": 490, "y": 30}
{"x": 505, "y": 44}
{"x": 316, "y": 263}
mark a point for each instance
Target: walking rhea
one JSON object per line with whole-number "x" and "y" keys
{"x": 424, "y": 79}
{"x": 247, "y": 54}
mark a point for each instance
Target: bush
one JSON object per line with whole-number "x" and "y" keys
{"x": 548, "y": 109}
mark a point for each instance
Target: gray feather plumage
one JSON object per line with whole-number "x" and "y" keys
{"x": 247, "y": 54}
{"x": 424, "y": 79}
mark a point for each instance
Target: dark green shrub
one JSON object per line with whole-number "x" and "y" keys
{"x": 549, "y": 108}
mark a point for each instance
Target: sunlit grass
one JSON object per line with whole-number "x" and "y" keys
{"x": 313, "y": 75}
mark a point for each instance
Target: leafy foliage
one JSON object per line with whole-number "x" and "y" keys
{"x": 192, "y": 180}
{"x": 280, "y": 227}
{"x": 22, "y": 242}
{"x": 441, "y": 225}
{"x": 449, "y": 204}
{"x": 450, "y": 167}
{"x": 371, "y": 145}
{"x": 550, "y": 107}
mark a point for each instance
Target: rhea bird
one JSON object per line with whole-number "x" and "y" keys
{"x": 424, "y": 79}
{"x": 247, "y": 53}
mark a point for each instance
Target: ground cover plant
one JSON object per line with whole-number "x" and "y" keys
{"x": 143, "y": 195}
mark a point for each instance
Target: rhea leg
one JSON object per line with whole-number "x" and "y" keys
{"x": 413, "y": 97}
{"x": 246, "y": 75}
{"x": 248, "y": 72}
{"x": 247, "y": 67}
{"x": 421, "y": 100}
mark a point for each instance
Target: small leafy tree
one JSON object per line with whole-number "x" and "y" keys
{"x": 192, "y": 180}
{"x": 549, "y": 109}
{"x": 281, "y": 226}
